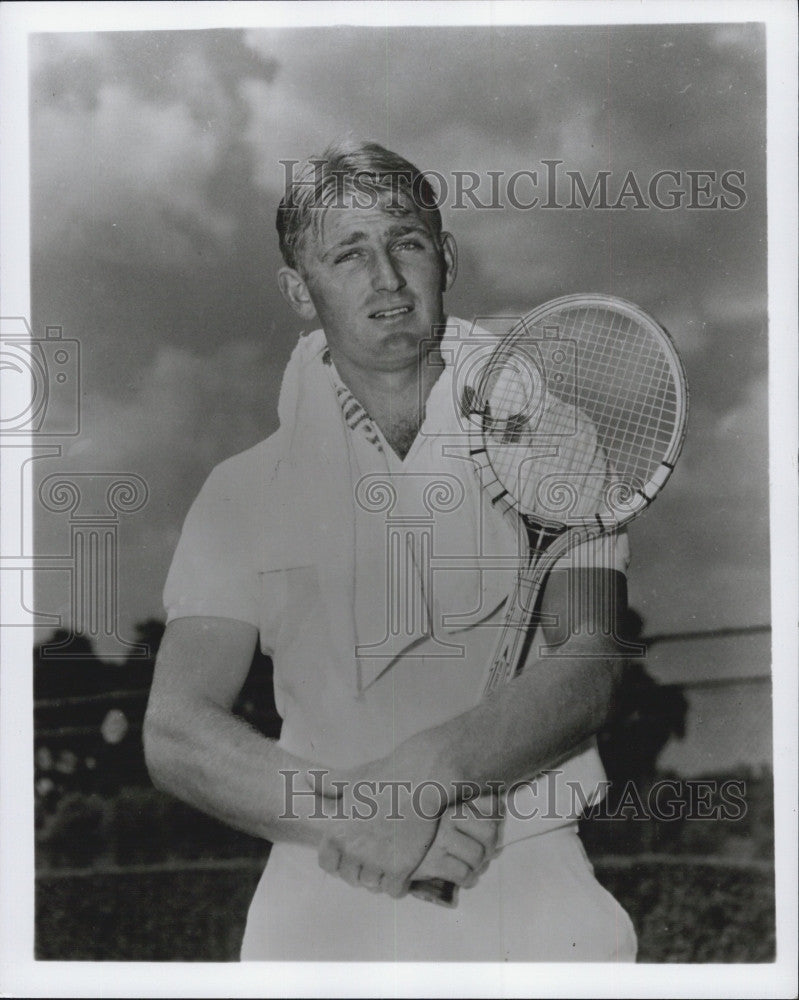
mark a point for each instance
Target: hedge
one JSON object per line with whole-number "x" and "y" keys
{"x": 695, "y": 909}
{"x": 144, "y": 826}
{"x": 685, "y": 910}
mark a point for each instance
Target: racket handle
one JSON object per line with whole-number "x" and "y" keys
{"x": 435, "y": 890}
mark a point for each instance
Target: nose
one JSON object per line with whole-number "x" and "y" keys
{"x": 386, "y": 275}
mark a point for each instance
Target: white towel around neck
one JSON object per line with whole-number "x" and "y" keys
{"x": 315, "y": 479}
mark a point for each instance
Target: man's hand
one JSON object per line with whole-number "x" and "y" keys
{"x": 377, "y": 839}
{"x": 466, "y": 841}
{"x": 389, "y": 832}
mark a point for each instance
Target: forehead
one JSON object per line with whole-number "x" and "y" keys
{"x": 376, "y": 214}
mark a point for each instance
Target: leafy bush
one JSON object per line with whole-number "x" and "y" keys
{"x": 142, "y": 825}
{"x": 75, "y": 834}
{"x": 151, "y": 916}
{"x": 682, "y": 912}
{"x": 193, "y": 835}
{"x": 610, "y": 829}
{"x": 136, "y": 826}
{"x": 694, "y": 912}
{"x": 138, "y": 817}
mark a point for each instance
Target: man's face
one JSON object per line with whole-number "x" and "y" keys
{"x": 375, "y": 279}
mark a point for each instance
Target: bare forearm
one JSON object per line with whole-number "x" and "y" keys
{"x": 220, "y": 765}
{"x": 199, "y": 751}
{"x": 524, "y": 727}
{"x": 547, "y": 711}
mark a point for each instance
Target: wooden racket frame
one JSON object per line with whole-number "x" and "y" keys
{"x": 513, "y": 639}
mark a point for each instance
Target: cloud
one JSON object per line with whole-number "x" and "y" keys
{"x": 143, "y": 170}
{"x": 155, "y": 161}
{"x": 128, "y": 141}
{"x": 619, "y": 98}
{"x": 599, "y": 94}
{"x": 191, "y": 411}
{"x": 701, "y": 553}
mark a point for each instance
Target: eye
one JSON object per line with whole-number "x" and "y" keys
{"x": 346, "y": 256}
{"x": 410, "y": 243}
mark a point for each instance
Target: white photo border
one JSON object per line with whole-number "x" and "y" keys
{"x": 22, "y": 976}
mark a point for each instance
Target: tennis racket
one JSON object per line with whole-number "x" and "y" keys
{"x": 578, "y": 416}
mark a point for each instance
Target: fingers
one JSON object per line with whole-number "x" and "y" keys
{"x": 464, "y": 847}
{"x": 462, "y": 869}
{"x": 485, "y": 834}
{"x": 463, "y": 863}
{"x": 460, "y": 860}
{"x": 482, "y": 828}
{"x": 350, "y": 872}
{"x": 473, "y": 840}
{"x": 333, "y": 861}
{"x": 449, "y": 868}
{"x": 370, "y": 879}
{"x": 329, "y": 857}
{"x": 452, "y": 869}
{"x": 394, "y": 887}
{"x": 359, "y": 876}
{"x": 474, "y": 878}
{"x": 468, "y": 850}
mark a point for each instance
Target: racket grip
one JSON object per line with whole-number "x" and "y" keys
{"x": 435, "y": 890}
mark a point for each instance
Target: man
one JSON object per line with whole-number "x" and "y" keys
{"x": 317, "y": 543}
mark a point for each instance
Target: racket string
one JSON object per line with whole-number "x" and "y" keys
{"x": 620, "y": 384}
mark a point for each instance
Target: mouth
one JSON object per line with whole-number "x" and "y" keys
{"x": 392, "y": 313}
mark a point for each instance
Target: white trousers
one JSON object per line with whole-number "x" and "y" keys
{"x": 538, "y": 902}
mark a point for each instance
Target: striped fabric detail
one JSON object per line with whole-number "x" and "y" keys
{"x": 355, "y": 416}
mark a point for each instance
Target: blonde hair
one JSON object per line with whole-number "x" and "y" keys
{"x": 345, "y": 169}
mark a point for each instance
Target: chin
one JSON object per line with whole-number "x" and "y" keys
{"x": 404, "y": 346}
{"x": 396, "y": 352}
{"x": 411, "y": 335}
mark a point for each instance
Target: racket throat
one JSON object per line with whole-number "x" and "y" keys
{"x": 539, "y": 536}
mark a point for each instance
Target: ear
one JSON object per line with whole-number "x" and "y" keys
{"x": 295, "y": 291}
{"x": 449, "y": 252}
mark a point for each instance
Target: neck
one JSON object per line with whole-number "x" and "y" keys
{"x": 372, "y": 386}
{"x": 395, "y": 400}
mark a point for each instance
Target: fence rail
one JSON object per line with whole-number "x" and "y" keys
{"x": 713, "y": 633}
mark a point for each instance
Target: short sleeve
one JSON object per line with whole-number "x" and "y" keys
{"x": 213, "y": 572}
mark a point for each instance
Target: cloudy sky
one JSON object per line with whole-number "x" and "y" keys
{"x": 155, "y": 175}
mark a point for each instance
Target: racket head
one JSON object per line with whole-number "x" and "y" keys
{"x": 582, "y": 411}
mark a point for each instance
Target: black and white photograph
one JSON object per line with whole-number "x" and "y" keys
{"x": 399, "y": 540}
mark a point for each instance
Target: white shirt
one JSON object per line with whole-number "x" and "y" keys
{"x": 433, "y": 563}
